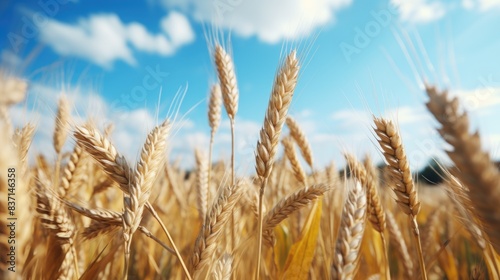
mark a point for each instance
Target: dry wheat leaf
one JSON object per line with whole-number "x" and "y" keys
{"x": 301, "y": 255}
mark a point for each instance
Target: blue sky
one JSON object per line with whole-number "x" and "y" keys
{"x": 113, "y": 60}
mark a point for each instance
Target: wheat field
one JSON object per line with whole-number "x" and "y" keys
{"x": 93, "y": 214}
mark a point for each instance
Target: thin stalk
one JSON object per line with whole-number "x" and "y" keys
{"x": 55, "y": 183}
{"x": 416, "y": 234}
{"x": 146, "y": 232}
{"x": 212, "y": 135}
{"x": 127, "y": 258}
{"x": 155, "y": 215}
{"x": 233, "y": 179}
{"x": 75, "y": 261}
{"x": 259, "y": 250}
{"x": 386, "y": 257}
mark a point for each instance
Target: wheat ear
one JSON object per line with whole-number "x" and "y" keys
{"x": 223, "y": 269}
{"x": 227, "y": 78}
{"x": 230, "y": 95}
{"x": 69, "y": 170}
{"x": 115, "y": 165}
{"x": 57, "y": 219}
{"x": 459, "y": 195}
{"x": 202, "y": 183}
{"x": 150, "y": 163}
{"x": 288, "y": 205}
{"x": 104, "y": 152}
{"x": 210, "y": 233}
{"x": 400, "y": 178}
{"x": 60, "y": 133}
{"x": 12, "y": 89}
{"x": 279, "y": 102}
{"x": 298, "y": 171}
{"x": 24, "y": 137}
{"x": 350, "y": 234}
{"x": 300, "y": 138}
{"x": 61, "y": 127}
{"x": 475, "y": 169}
{"x": 376, "y": 213}
{"x": 214, "y": 116}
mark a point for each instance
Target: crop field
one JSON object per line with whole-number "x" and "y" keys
{"x": 93, "y": 214}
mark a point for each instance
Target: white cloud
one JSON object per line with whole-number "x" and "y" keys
{"x": 482, "y": 5}
{"x": 351, "y": 118}
{"x": 104, "y": 38}
{"x": 177, "y": 27}
{"x": 10, "y": 60}
{"x": 142, "y": 40}
{"x": 419, "y": 11}
{"x": 408, "y": 114}
{"x": 100, "y": 38}
{"x": 478, "y": 99}
{"x": 270, "y": 21}
{"x": 130, "y": 128}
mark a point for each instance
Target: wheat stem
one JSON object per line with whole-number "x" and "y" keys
{"x": 259, "y": 248}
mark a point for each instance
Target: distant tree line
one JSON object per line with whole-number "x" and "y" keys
{"x": 431, "y": 174}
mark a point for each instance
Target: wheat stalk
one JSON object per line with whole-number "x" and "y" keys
{"x": 459, "y": 195}
{"x": 400, "y": 178}
{"x": 230, "y": 95}
{"x": 150, "y": 163}
{"x": 475, "y": 168}
{"x": 279, "y": 102}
